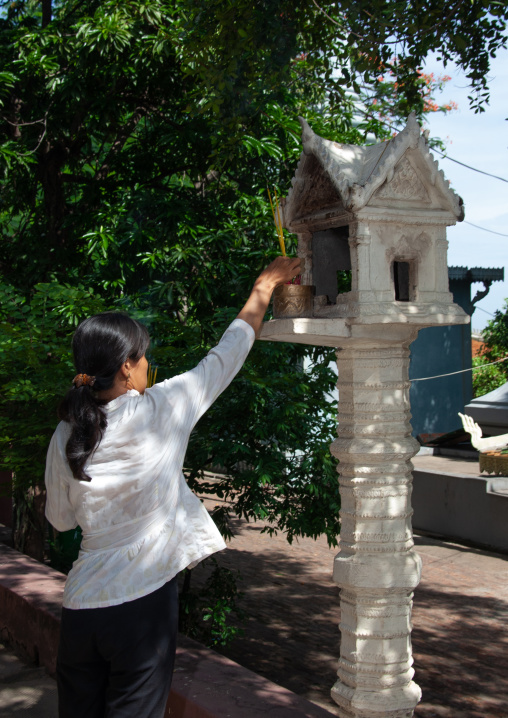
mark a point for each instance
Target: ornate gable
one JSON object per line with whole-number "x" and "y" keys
{"x": 320, "y": 192}
{"x": 404, "y": 184}
{"x": 312, "y": 191}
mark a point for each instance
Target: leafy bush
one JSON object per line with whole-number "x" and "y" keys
{"x": 488, "y": 379}
{"x": 495, "y": 336}
{"x": 210, "y": 614}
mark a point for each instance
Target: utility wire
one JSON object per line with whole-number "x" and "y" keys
{"x": 443, "y": 154}
{"x": 484, "y": 310}
{"x": 461, "y": 371}
{"x": 447, "y": 157}
{"x": 485, "y": 229}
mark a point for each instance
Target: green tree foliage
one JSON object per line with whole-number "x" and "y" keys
{"x": 136, "y": 142}
{"x": 488, "y": 378}
{"x": 35, "y": 356}
{"x": 35, "y": 371}
{"x": 495, "y": 336}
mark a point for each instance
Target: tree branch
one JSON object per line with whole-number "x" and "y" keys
{"x": 120, "y": 140}
{"x": 46, "y": 12}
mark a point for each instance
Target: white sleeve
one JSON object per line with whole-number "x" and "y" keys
{"x": 202, "y": 385}
{"x": 59, "y": 510}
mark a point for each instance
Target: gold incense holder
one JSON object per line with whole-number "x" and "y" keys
{"x": 494, "y": 462}
{"x": 293, "y": 300}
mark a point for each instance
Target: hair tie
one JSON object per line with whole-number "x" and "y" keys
{"x": 83, "y": 380}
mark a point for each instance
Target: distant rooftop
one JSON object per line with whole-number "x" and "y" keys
{"x": 477, "y": 274}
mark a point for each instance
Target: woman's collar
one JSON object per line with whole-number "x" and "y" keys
{"x": 120, "y": 400}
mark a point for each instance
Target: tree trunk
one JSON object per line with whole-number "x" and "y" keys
{"x": 46, "y": 12}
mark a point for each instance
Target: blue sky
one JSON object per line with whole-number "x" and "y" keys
{"x": 480, "y": 141}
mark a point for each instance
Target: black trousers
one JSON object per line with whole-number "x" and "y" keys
{"x": 117, "y": 662}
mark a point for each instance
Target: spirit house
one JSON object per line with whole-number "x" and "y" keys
{"x": 371, "y": 225}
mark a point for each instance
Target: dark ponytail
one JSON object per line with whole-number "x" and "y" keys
{"x": 101, "y": 344}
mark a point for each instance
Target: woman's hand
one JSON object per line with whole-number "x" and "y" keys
{"x": 280, "y": 271}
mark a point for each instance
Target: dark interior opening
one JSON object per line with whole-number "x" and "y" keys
{"x": 331, "y": 262}
{"x": 401, "y": 281}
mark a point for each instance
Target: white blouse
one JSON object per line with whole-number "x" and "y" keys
{"x": 141, "y": 523}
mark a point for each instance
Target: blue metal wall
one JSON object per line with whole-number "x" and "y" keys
{"x": 439, "y": 350}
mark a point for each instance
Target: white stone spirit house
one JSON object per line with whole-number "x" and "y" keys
{"x": 380, "y": 213}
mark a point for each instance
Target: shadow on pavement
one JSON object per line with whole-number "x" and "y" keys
{"x": 460, "y": 641}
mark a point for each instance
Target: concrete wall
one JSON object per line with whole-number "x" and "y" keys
{"x": 205, "y": 684}
{"x": 462, "y": 507}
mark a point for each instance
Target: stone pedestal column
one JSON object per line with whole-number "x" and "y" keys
{"x": 377, "y": 567}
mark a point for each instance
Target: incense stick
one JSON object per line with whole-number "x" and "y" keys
{"x": 281, "y": 233}
{"x": 151, "y": 376}
{"x": 278, "y": 223}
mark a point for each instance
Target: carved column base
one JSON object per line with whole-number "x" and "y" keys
{"x": 355, "y": 703}
{"x": 377, "y": 567}
{"x": 375, "y": 669}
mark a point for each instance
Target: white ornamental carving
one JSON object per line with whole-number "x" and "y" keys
{"x": 405, "y": 184}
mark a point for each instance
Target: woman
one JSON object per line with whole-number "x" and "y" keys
{"x": 114, "y": 468}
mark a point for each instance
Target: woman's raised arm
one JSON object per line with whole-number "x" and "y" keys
{"x": 280, "y": 271}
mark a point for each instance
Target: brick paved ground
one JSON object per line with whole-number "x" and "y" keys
{"x": 460, "y": 636}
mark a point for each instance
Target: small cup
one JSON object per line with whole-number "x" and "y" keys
{"x": 293, "y": 300}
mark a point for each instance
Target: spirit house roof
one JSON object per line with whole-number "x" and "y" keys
{"x": 400, "y": 172}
